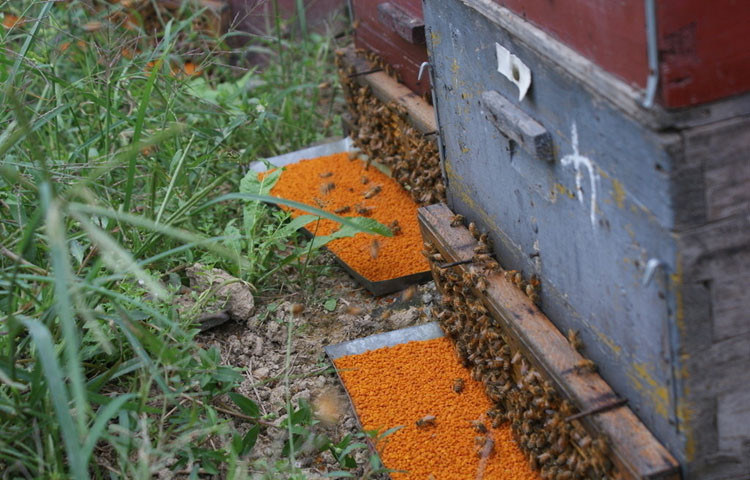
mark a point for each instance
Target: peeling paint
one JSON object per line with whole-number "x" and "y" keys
{"x": 563, "y": 190}
{"x": 606, "y": 340}
{"x": 619, "y": 193}
{"x": 643, "y": 381}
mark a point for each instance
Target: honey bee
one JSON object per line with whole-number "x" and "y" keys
{"x": 457, "y": 220}
{"x": 325, "y": 174}
{"x": 479, "y": 426}
{"x": 481, "y": 284}
{"x": 427, "y": 420}
{"x": 327, "y": 187}
{"x": 409, "y": 293}
{"x": 458, "y": 385}
{"x": 395, "y": 227}
{"x": 374, "y": 248}
{"x": 486, "y": 448}
{"x": 363, "y": 210}
{"x": 373, "y": 191}
{"x": 482, "y": 248}
{"x": 474, "y": 230}
{"x": 386, "y": 314}
{"x": 364, "y": 180}
{"x": 575, "y": 339}
{"x": 544, "y": 458}
{"x": 586, "y": 366}
{"x": 516, "y": 358}
{"x": 344, "y": 209}
{"x": 353, "y": 310}
{"x": 482, "y": 258}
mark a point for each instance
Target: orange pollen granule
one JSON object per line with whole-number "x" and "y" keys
{"x": 414, "y": 381}
{"x": 336, "y": 182}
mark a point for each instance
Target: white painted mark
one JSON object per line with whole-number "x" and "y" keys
{"x": 578, "y": 160}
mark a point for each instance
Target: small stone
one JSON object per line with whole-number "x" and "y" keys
{"x": 261, "y": 372}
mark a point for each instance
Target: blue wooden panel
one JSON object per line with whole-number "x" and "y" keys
{"x": 586, "y": 223}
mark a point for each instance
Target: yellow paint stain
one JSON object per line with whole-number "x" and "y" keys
{"x": 564, "y": 191}
{"x": 465, "y": 149}
{"x": 619, "y": 193}
{"x": 607, "y": 341}
{"x": 685, "y": 414}
{"x": 641, "y": 378}
{"x": 454, "y": 66}
{"x": 435, "y": 36}
{"x": 631, "y": 232}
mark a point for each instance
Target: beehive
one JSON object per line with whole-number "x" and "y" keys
{"x": 635, "y": 219}
{"x": 392, "y": 125}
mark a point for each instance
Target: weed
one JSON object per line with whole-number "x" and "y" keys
{"x": 117, "y": 165}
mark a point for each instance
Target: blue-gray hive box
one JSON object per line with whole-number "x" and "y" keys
{"x": 636, "y": 219}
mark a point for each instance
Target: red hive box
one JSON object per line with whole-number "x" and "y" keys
{"x": 395, "y": 31}
{"x": 703, "y": 47}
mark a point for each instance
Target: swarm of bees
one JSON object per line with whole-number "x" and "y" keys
{"x": 383, "y": 132}
{"x": 521, "y": 396}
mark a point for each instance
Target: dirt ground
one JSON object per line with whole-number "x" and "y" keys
{"x": 259, "y": 347}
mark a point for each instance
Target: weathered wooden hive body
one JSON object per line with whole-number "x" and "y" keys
{"x": 636, "y": 218}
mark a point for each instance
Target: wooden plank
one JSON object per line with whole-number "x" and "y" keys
{"x": 421, "y": 114}
{"x": 513, "y": 122}
{"x": 635, "y": 451}
{"x": 408, "y": 27}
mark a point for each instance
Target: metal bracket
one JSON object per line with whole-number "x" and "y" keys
{"x": 653, "y": 54}
{"x": 422, "y": 66}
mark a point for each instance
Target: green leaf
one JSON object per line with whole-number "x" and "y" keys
{"x": 248, "y": 441}
{"x": 362, "y": 224}
{"x": 330, "y": 304}
{"x": 103, "y": 416}
{"x": 56, "y": 384}
{"x": 247, "y": 406}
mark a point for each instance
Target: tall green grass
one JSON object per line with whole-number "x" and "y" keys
{"x": 114, "y": 171}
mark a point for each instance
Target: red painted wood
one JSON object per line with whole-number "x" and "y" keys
{"x": 704, "y": 48}
{"x": 704, "y": 45}
{"x": 373, "y": 35}
{"x": 611, "y": 33}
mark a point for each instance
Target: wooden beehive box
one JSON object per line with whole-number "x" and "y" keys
{"x": 394, "y": 30}
{"x": 636, "y": 219}
{"x": 703, "y": 52}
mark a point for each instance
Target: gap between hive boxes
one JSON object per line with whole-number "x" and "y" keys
{"x": 634, "y": 450}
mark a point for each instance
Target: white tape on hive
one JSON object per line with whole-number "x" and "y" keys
{"x": 514, "y": 70}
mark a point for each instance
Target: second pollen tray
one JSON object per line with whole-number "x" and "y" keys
{"x": 346, "y": 185}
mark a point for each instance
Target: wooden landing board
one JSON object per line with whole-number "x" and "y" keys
{"x": 635, "y": 451}
{"x": 421, "y": 114}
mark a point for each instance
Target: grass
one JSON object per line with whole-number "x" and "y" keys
{"x": 116, "y": 166}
